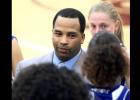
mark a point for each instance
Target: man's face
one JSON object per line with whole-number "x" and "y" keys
{"x": 100, "y": 21}
{"x": 67, "y": 38}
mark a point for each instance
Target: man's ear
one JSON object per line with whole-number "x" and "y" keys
{"x": 83, "y": 38}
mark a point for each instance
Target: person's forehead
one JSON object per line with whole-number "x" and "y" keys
{"x": 99, "y": 16}
{"x": 68, "y": 19}
{"x": 68, "y": 31}
{"x": 64, "y": 22}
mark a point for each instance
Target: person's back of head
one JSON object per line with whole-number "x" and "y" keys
{"x": 105, "y": 62}
{"x": 104, "y": 66}
{"x": 72, "y": 13}
{"x": 104, "y": 37}
{"x": 47, "y": 82}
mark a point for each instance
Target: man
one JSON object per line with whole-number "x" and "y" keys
{"x": 68, "y": 35}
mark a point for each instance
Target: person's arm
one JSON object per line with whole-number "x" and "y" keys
{"x": 16, "y": 55}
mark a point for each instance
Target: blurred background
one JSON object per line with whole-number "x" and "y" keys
{"x": 32, "y": 22}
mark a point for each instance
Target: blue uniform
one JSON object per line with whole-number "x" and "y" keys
{"x": 120, "y": 92}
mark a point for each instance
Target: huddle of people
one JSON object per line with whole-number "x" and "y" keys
{"x": 70, "y": 73}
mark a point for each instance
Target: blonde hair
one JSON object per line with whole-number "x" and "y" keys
{"x": 108, "y": 8}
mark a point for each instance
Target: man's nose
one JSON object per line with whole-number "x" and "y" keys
{"x": 64, "y": 40}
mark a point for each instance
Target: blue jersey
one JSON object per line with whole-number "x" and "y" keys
{"x": 118, "y": 93}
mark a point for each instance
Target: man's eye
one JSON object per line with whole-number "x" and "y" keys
{"x": 72, "y": 35}
{"x": 58, "y": 34}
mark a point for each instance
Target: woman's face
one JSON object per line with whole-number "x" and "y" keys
{"x": 99, "y": 21}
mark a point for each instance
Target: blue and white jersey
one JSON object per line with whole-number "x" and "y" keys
{"x": 118, "y": 93}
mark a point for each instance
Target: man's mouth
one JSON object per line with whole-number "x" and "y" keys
{"x": 63, "y": 50}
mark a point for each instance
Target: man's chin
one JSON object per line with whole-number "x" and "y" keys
{"x": 64, "y": 58}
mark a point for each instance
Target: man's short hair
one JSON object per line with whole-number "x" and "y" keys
{"x": 47, "y": 82}
{"x": 72, "y": 13}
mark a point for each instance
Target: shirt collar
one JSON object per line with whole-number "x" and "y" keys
{"x": 70, "y": 63}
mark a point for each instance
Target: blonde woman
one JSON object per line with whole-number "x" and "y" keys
{"x": 104, "y": 16}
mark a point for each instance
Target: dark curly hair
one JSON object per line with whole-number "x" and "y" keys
{"x": 47, "y": 82}
{"x": 105, "y": 62}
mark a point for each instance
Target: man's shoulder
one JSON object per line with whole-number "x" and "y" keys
{"x": 77, "y": 66}
{"x": 39, "y": 59}
{"x": 83, "y": 54}
{"x": 36, "y": 60}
